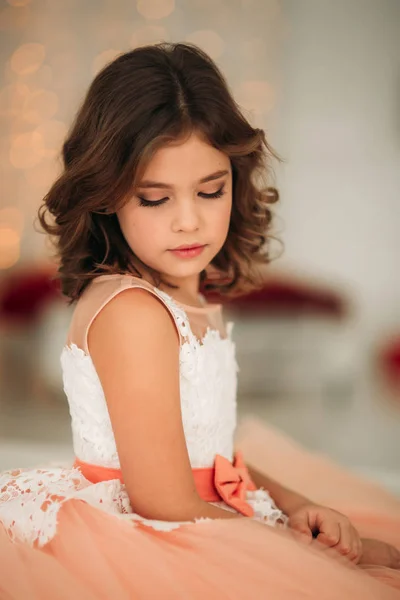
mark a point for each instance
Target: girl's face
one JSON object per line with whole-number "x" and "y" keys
{"x": 184, "y": 199}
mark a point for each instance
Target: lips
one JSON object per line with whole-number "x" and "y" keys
{"x": 188, "y": 247}
{"x": 188, "y": 251}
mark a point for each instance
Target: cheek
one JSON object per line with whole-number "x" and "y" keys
{"x": 221, "y": 218}
{"x": 138, "y": 225}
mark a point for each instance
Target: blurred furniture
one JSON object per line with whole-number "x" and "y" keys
{"x": 23, "y": 295}
{"x": 293, "y": 338}
{"x": 389, "y": 365}
{"x": 33, "y": 324}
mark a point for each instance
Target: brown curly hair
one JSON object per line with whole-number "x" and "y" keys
{"x": 136, "y": 104}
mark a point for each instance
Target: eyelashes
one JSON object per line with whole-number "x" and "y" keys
{"x": 144, "y": 202}
{"x": 217, "y": 194}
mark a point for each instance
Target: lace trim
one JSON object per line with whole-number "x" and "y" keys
{"x": 265, "y": 509}
{"x": 180, "y": 315}
{"x": 30, "y": 501}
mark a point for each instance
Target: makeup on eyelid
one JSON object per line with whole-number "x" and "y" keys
{"x": 146, "y": 202}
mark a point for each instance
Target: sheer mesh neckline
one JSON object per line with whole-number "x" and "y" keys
{"x": 186, "y": 307}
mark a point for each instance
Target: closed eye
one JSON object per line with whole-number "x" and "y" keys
{"x": 144, "y": 202}
{"x": 216, "y": 194}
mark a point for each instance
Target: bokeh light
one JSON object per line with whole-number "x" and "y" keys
{"x": 12, "y": 99}
{"x": 149, "y": 34}
{"x": 9, "y": 247}
{"x": 12, "y": 20}
{"x": 104, "y": 58}
{"x": 42, "y": 175}
{"x": 42, "y": 78}
{"x": 209, "y": 41}
{"x": 155, "y": 9}
{"x": 17, "y": 126}
{"x": 26, "y": 150}
{"x": 27, "y": 58}
{"x": 40, "y": 105}
{"x": 257, "y": 95}
{"x": 12, "y": 218}
{"x": 65, "y": 65}
{"x": 19, "y": 2}
{"x": 50, "y": 137}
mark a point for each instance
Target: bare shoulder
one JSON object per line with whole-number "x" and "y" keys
{"x": 134, "y": 313}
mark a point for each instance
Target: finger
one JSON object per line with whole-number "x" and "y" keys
{"x": 348, "y": 544}
{"x": 329, "y": 533}
{"x": 301, "y": 528}
{"x": 358, "y": 550}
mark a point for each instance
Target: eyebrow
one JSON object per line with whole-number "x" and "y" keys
{"x": 166, "y": 186}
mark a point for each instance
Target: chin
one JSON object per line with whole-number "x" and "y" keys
{"x": 185, "y": 270}
{"x": 184, "y": 273}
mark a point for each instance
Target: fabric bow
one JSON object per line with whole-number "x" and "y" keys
{"x": 231, "y": 481}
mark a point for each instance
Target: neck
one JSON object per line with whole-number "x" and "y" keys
{"x": 187, "y": 290}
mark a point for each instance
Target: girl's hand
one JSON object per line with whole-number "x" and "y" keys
{"x": 379, "y": 553}
{"x": 329, "y": 527}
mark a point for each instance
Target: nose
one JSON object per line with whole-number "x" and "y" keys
{"x": 186, "y": 217}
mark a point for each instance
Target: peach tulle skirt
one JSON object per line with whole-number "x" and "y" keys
{"x": 96, "y": 555}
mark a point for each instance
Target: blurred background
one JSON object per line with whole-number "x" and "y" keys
{"x": 319, "y": 345}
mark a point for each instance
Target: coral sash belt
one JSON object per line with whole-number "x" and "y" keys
{"x": 225, "y": 481}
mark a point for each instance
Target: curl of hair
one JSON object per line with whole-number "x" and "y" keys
{"x": 141, "y": 101}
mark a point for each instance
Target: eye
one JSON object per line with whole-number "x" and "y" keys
{"x": 216, "y": 194}
{"x": 144, "y": 202}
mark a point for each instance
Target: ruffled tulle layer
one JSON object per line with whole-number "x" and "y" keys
{"x": 97, "y": 555}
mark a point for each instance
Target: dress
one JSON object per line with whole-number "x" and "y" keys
{"x": 65, "y": 536}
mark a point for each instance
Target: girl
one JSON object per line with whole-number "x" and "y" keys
{"x": 160, "y": 192}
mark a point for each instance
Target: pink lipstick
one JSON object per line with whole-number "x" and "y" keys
{"x": 188, "y": 251}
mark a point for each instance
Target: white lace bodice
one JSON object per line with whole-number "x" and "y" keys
{"x": 208, "y": 397}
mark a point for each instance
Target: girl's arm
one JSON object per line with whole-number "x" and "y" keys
{"x": 287, "y": 500}
{"x": 134, "y": 346}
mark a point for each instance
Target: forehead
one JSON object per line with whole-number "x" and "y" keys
{"x": 189, "y": 161}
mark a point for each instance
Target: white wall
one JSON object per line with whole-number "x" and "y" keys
{"x": 337, "y": 126}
